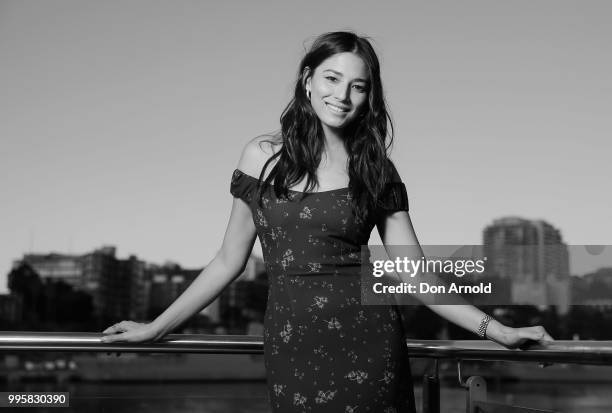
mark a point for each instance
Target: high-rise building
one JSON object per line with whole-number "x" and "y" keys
{"x": 167, "y": 282}
{"x": 532, "y": 255}
{"x": 123, "y": 292}
{"x": 96, "y": 265}
{"x": 118, "y": 287}
{"x": 55, "y": 267}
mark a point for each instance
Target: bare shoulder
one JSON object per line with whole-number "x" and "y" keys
{"x": 256, "y": 152}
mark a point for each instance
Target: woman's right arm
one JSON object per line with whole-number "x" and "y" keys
{"x": 227, "y": 264}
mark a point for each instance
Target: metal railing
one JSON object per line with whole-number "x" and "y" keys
{"x": 90, "y": 342}
{"x": 577, "y": 352}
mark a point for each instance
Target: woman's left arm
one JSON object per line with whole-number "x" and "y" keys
{"x": 395, "y": 228}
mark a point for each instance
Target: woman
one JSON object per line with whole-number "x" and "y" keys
{"x": 313, "y": 194}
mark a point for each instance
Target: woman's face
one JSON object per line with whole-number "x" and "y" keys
{"x": 339, "y": 90}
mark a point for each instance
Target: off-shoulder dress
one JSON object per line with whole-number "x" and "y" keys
{"x": 324, "y": 351}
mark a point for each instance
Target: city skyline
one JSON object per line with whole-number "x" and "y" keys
{"x": 583, "y": 259}
{"x": 121, "y": 123}
{"x": 529, "y": 255}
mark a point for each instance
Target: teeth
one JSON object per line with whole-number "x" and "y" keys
{"x": 335, "y": 108}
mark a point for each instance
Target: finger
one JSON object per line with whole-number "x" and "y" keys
{"x": 125, "y": 337}
{"x": 548, "y": 337}
{"x": 536, "y": 333}
{"x": 545, "y": 335}
{"x": 541, "y": 336}
{"x": 113, "y": 338}
{"x": 111, "y": 330}
{"x": 529, "y": 338}
{"x": 114, "y": 328}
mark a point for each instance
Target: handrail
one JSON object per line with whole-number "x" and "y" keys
{"x": 90, "y": 342}
{"x": 559, "y": 351}
{"x": 579, "y": 352}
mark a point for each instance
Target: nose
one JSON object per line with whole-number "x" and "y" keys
{"x": 342, "y": 92}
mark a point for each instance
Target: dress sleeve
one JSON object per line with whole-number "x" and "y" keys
{"x": 242, "y": 186}
{"x": 394, "y": 197}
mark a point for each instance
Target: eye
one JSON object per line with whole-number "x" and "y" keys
{"x": 360, "y": 88}
{"x": 331, "y": 78}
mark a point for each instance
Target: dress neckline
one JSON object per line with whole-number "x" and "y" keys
{"x": 344, "y": 188}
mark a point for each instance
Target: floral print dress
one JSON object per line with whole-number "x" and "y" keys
{"x": 323, "y": 350}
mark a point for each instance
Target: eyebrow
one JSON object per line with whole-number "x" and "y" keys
{"x": 340, "y": 74}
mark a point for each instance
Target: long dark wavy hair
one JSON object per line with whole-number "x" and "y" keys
{"x": 367, "y": 139}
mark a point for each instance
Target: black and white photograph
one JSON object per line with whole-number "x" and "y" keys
{"x": 300, "y": 207}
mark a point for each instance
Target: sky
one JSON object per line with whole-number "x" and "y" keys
{"x": 121, "y": 122}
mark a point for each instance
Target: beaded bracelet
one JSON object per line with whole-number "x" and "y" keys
{"x": 482, "y": 328}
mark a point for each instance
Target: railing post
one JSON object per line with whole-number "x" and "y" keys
{"x": 476, "y": 401}
{"x": 476, "y": 388}
{"x": 431, "y": 391}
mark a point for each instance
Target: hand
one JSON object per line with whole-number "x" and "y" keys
{"x": 129, "y": 331}
{"x": 520, "y": 337}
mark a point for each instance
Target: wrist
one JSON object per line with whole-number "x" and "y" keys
{"x": 495, "y": 331}
{"x": 157, "y": 329}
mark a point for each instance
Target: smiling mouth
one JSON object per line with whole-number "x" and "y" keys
{"x": 335, "y": 109}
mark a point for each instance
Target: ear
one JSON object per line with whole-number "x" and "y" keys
{"x": 307, "y": 76}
